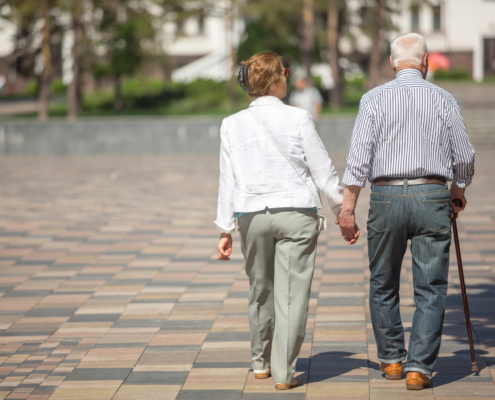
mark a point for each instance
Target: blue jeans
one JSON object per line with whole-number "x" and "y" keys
{"x": 422, "y": 214}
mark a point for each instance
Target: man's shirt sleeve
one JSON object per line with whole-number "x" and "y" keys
{"x": 462, "y": 151}
{"x": 360, "y": 152}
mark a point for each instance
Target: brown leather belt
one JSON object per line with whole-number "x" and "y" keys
{"x": 427, "y": 180}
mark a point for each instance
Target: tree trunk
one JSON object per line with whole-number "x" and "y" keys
{"x": 336, "y": 95}
{"x": 46, "y": 75}
{"x": 374, "y": 68}
{"x": 73, "y": 93}
{"x": 118, "y": 103}
{"x": 308, "y": 42}
{"x": 232, "y": 53}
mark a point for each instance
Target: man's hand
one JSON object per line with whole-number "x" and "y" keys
{"x": 346, "y": 218}
{"x": 457, "y": 193}
{"x": 224, "y": 247}
{"x": 348, "y": 227}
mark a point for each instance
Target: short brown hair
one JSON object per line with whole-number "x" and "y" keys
{"x": 264, "y": 70}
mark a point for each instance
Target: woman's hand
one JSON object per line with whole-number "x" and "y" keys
{"x": 224, "y": 247}
{"x": 348, "y": 228}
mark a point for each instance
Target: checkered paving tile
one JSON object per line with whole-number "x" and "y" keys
{"x": 109, "y": 288}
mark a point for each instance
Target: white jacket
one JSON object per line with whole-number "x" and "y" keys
{"x": 253, "y": 173}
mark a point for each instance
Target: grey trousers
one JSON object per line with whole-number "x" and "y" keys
{"x": 279, "y": 246}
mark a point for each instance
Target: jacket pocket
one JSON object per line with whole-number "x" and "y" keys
{"x": 379, "y": 215}
{"x": 263, "y": 188}
{"x": 437, "y": 214}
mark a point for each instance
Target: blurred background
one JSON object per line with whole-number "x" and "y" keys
{"x": 80, "y": 60}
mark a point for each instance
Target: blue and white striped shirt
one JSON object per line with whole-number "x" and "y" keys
{"x": 409, "y": 128}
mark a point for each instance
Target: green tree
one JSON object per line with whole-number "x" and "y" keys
{"x": 376, "y": 20}
{"x": 35, "y": 19}
{"x": 333, "y": 32}
{"x": 76, "y": 8}
{"x": 272, "y": 26}
{"x": 126, "y": 37}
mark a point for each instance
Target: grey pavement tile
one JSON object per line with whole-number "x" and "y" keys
{"x": 138, "y": 323}
{"x": 210, "y": 395}
{"x": 52, "y": 312}
{"x": 92, "y": 277}
{"x": 28, "y": 386}
{"x": 340, "y": 323}
{"x": 238, "y": 295}
{"x": 174, "y": 348}
{"x": 199, "y": 303}
{"x": 44, "y": 390}
{"x": 184, "y": 325}
{"x": 156, "y": 378}
{"x": 222, "y": 364}
{"x": 98, "y": 374}
{"x": 273, "y": 396}
{"x": 94, "y": 318}
{"x": 28, "y": 293}
{"x": 120, "y": 282}
{"x": 228, "y": 337}
{"x": 119, "y": 345}
{"x": 337, "y": 378}
{"x": 341, "y": 301}
{"x": 339, "y": 349}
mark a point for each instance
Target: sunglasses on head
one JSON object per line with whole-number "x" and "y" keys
{"x": 285, "y": 72}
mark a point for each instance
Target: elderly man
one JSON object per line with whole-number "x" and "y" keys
{"x": 409, "y": 140}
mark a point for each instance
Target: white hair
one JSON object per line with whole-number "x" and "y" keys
{"x": 408, "y": 47}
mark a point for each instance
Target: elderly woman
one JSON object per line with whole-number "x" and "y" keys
{"x": 272, "y": 164}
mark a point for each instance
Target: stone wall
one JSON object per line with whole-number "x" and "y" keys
{"x": 171, "y": 136}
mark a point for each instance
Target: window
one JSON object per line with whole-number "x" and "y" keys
{"x": 437, "y": 18}
{"x": 415, "y": 18}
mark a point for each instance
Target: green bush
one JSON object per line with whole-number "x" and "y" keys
{"x": 153, "y": 95}
{"x": 150, "y": 93}
{"x": 98, "y": 100}
{"x": 58, "y": 87}
{"x": 32, "y": 88}
{"x": 456, "y": 74}
{"x": 206, "y": 96}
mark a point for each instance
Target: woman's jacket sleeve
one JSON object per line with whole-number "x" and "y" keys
{"x": 225, "y": 222}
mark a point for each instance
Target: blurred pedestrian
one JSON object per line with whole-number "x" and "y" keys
{"x": 307, "y": 97}
{"x": 409, "y": 140}
{"x": 272, "y": 164}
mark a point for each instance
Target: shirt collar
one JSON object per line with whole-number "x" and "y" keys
{"x": 266, "y": 100}
{"x": 409, "y": 73}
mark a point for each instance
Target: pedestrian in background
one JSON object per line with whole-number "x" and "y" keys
{"x": 307, "y": 97}
{"x": 409, "y": 140}
{"x": 272, "y": 163}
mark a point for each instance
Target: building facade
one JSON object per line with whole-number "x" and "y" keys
{"x": 464, "y": 30}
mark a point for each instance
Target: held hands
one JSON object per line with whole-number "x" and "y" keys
{"x": 224, "y": 248}
{"x": 348, "y": 227}
{"x": 458, "y": 200}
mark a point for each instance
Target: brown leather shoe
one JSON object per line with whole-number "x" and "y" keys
{"x": 417, "y": 381}
{"x": 392, "y": 371}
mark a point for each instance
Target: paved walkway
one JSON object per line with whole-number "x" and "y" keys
{"x": 109, "y": 289}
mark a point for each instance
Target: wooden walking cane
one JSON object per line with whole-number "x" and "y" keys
{"x": 474, "y": 364}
